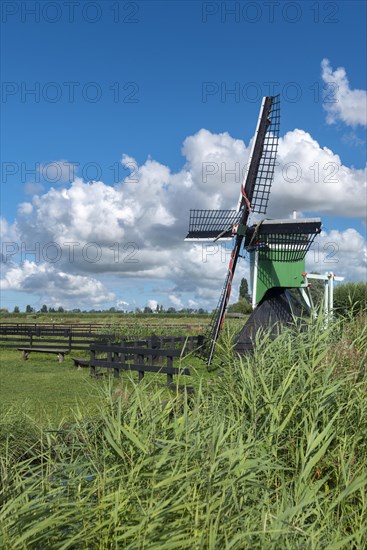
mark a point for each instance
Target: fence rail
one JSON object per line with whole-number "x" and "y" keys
{"x": 46, "y": 336}
{"x": 95, "y": 327}
{"x": 119, "y": 357}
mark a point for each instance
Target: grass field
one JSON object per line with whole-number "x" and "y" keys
{"x": 50, "y": 391}
{"x": 269, "y": 452}
{"x": 43, "y": 387}
{"x": 104, "y": 318}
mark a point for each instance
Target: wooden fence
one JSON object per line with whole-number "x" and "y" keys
{"x": 48, "y": 336}
{"x": 119, "y": 357}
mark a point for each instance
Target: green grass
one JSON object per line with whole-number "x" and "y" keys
{"x": 104, "y": 317}
{"x": 42, "y": 386}
{"x": 50, "y": 391}
{"x": 271, "y": 454}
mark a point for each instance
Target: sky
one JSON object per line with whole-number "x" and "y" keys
{"x": 118, "y": 117}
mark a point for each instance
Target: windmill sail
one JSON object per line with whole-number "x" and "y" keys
{"x": 255, "y": 190}
{"x": 209, "y": 224}
{"x": 254, "y": 197}
{"x": 260, "y": 172}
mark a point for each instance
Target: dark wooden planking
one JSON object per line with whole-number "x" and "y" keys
{"x": 139, "y": 367}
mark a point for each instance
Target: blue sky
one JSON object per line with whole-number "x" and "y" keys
{"x": 138, "y": 79}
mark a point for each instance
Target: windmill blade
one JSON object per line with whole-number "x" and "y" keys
{"x": 211, "y": 224}
{"x": 260, "y": 172}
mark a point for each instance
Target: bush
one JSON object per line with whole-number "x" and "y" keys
{"x": 242, "y": 306}
{"x": 350, "y": 299}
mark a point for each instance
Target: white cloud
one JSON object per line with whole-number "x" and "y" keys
{"x": 152, "y": 304}
{"x": 340, "y": 101}
{"x": 342, "y": 252}
{"x": 25, "y": 208}
{"x": 311, "y": 178}
{"x": 122, "y": 304}
{"x": 8, "y": 231}
{"x": 138, "y": 227}
{"x": 32, "y": 188}
{"x": 58, "y": 172}
{"x": 175, "y": 301}
{"x": 58, "y": 287}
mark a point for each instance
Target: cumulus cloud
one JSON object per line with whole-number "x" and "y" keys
{"x": 122, "y": 304}
{"x": 152, "y": 304}
{"x": 311, "y": 178}
{"x": 32, "y": 188}
{"x": 175, "y": 300}
{"x": 342, "y": 252}
{"x": 58, "y": 287}
{"x": 135, "y": 229}
{"x": 8, "y": 231}
{"x": 340, "y": 101}
{"x": 25, "y": 208}
{"x": 58, "y": 172}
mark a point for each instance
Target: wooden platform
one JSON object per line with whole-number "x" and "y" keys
{"x": 59, "y": 352}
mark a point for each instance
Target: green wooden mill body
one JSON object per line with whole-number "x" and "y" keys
{"x": 277, "y": 251}
{"x": 273, "y": 273}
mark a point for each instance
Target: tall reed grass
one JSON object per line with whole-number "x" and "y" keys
{"x": 271, "y": 454}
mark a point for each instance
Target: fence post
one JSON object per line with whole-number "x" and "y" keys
{"x": 92, "y": 358}
{"x": 141, "y": 362}
{"x": 169, "y": 375}
{"x": 116, "y": 370}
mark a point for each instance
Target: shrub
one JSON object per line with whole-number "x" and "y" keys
{"x": 350, "y": 298}
{"x": 242, "y": 306}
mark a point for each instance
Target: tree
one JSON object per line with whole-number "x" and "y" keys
{"x": 244, "y": 294}
{"x": 29, "y": 309}
{"x": 16, "y": 309}
{"x": 60, "y": 309}
{"x": 243, "y": 305}
{"x": 44, "y": 309}
{"x": 148, "y": 309}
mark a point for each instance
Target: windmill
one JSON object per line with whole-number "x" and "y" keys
{"x": 270, "y": 243}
